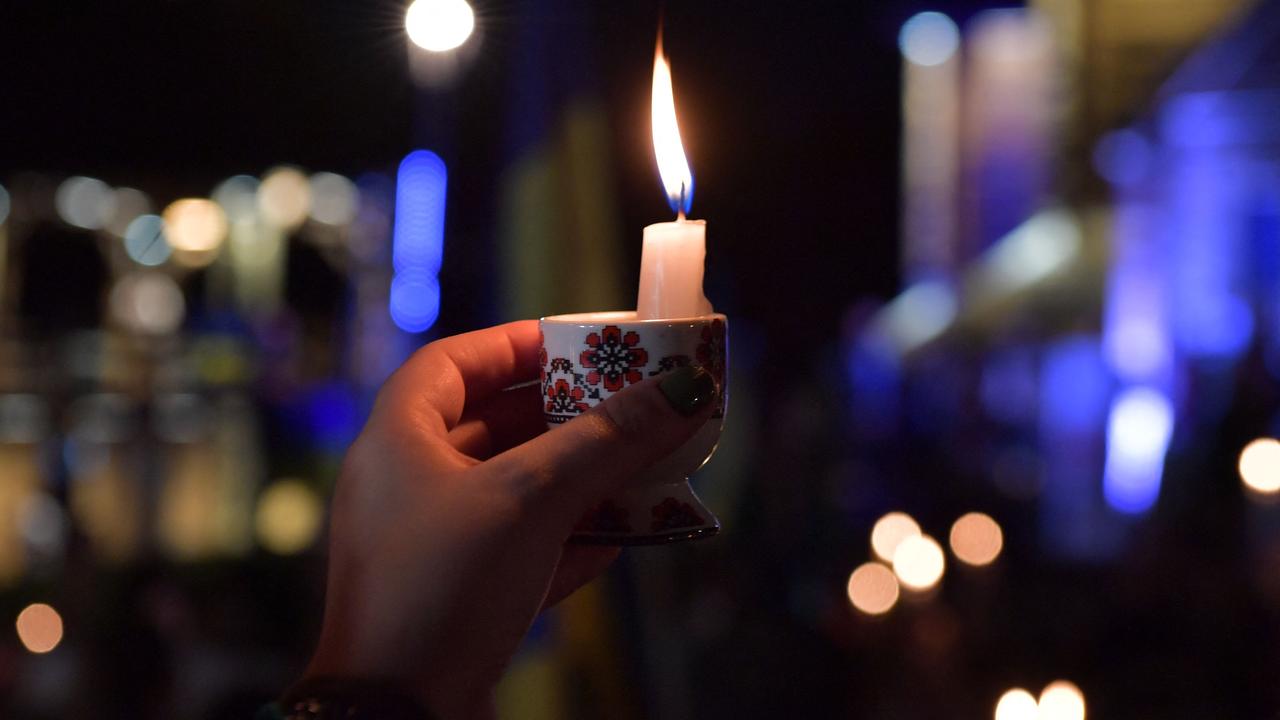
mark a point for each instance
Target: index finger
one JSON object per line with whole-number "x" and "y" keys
{"x": 453, "y": 372}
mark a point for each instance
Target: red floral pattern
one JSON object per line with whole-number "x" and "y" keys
{"x": 563, "y": 399}
{"x": 671, "y": 514}
{"x": 614, "y": 358}
{"x": 711, "y": 350}
{"x": 607, "y": 517}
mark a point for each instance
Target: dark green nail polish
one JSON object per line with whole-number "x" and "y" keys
{"x": 688, "y": 389}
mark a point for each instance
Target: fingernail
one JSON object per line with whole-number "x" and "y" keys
{"x": 688, "y": 388}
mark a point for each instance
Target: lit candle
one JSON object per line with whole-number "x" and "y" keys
{"x": 672, "y": 260}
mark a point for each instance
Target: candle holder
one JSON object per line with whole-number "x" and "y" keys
{"x": 587, "y": 357}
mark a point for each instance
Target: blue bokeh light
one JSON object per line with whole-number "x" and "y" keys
{"x": 929, "y": 38}
{"x": 1138, "y": 432}
{"x": 418, "y": 241}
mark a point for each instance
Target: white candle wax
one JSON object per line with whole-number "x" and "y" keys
{"x": 671, "y": 270}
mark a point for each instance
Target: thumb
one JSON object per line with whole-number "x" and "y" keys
{"x": 600, "y": 450}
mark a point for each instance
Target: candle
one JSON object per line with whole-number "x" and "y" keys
{"x": 672, "y": 260}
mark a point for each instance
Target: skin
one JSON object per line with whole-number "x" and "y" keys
{"x": 453, "y": 508}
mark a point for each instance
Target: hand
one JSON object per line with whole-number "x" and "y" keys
{"x": 453, "y": 507}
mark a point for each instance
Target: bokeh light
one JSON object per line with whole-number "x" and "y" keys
{"x": 39, "y": 628}
{"x": 889, "y": 531}
{"x": 919, "y": 562}
{"x": 131, "y": 204}
{"x": 439, "y": 25}
{"x": 288, "y": 517}
{"x": 976, "y": 539}
{"x": 1061, "y": 700}
{"x": 148, "y": 302}
{"x": 1139, "y": 429}
{"x": 195, "y": 227}
{"x": 873, "y": 589}
{"x": 85, "y": 202}
{"x": 284, "y": 197}
{"x": 1260, "y": 465}
{"x": 4, "y": 204}
{"x": 145, "y": 242}
{"x": 1017, "y": 704}
{"x": 334, "y": 199}
{"x": 929, "y": 38}
{"x": 415, "y": 301}
{"x": 238, "y": 196}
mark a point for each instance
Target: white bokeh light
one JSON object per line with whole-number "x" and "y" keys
{"x": 439, "y": 25}
{"x": 929, "y": 38}
{"x": 919, "y": 562}
{"x": 1017, "y": 704}
{"x": 1260, "y": 465}
{"x": 85, "y": 202}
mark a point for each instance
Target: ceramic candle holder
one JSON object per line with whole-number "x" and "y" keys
{"x": 586, "y": 358}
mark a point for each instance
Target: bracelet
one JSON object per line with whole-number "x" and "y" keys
{"x": 331, "y": 698}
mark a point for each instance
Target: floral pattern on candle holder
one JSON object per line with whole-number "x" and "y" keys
{"x": 614, "y": 357}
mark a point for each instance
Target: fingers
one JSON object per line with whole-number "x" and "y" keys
{"x": 503, "y": 421}
{"x": 442, "y": 378}
{"x": 579, "y": 565}
{"x": 597, "y": 452}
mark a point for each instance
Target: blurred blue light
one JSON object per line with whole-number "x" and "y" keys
{"x": 4, "y": 204}
{"x": 415, "y": 301}
{"x": 1123, "y": 157}
{"x": 929, "y": 38}
{"x": 1138, "y": 434}
{"x": 418, "y": 237}
{"x": 1074, "y": 384}
{"x": 418, "y": 241}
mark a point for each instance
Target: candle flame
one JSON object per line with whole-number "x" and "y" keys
{"x": 673, "y": 167}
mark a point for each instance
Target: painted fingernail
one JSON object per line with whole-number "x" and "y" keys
{"x": 688, "y": 388}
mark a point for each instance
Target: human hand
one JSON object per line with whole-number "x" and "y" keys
{"x": 451, "y": 514}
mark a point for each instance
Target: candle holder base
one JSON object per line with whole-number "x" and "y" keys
{"x": 647, "y": 516}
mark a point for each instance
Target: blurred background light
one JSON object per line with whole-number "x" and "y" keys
{"x": 334, "y": 199}
{"x": 418, "y": 240}
{"x": 1122, "y": 157}
{"x": 976, "y": 539}
{"x": 39, "y": 628}
{"x": 4, "y": 204}
{"x": 873, "y": 589}
{"x": 145, "y": 242}
{"x": 195, "y": 225}
{"x": 150, "y": 303}
{"x": 288, "y": 517}
{"x": 1033, "y": 251}
{"x": 85, "y": 202}
{"x": 919, "y": 562}
{"x": 1061, "y": 700}
{"x": 1017, "y": 704}
{"x": 415, "y": 301}
{"x": 238, "y": 196}
{"x": 1260, "y": 465}
{"x": 284, "y": 197}
{"x": 920, "y": 314}
{"x": 889, "y": 532}
{"x": 439, "y": 25}
{"x": 1139, "y": 428}
{"x": 131, "y": 204}
{"x": 929, "y": 38}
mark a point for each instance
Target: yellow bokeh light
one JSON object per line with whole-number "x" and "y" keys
{"x": 288, "y": 517}
{"x": 1260, "y": 465}
{"x": 919, "y": 562}
{"x": 889, "y": 531}
{"x": 284, "y": 197}
{"x": 1017, "y": 704}
{"x": 439, "y": 25}
{"x": 873, "y": 589}
{"x": 976, "y": 539}
{"x": 1061, "y": 700}
{"x": 194, "y": 228}
{"x": 39, "y": 628}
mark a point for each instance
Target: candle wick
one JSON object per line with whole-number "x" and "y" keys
{"x": 680, "y": 207}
